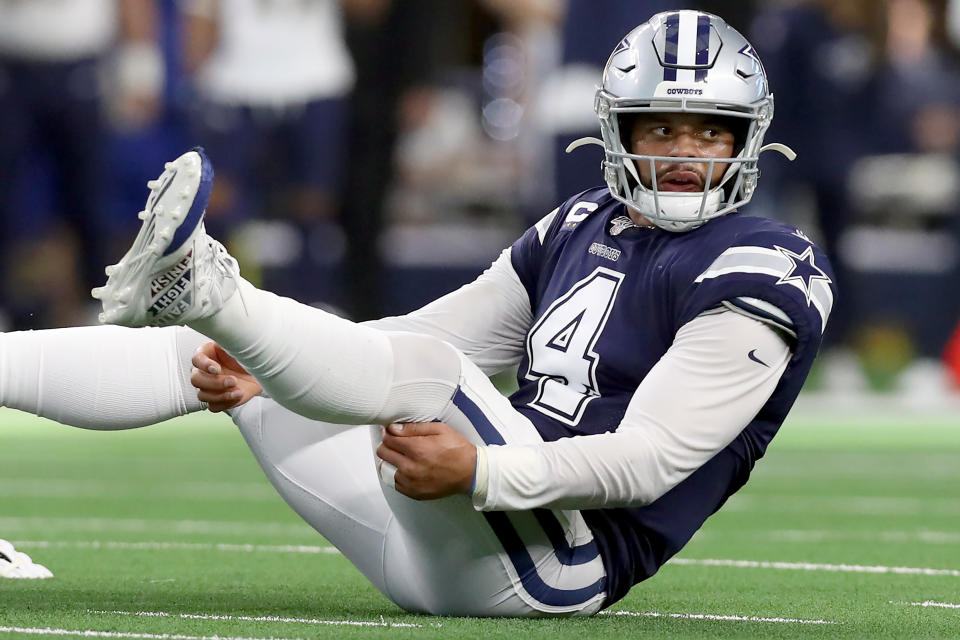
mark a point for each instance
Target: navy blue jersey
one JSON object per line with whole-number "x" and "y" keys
{"x": 608, "y": 299}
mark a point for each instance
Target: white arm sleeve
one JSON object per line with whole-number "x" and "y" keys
{"x": 692, "y": 404}
{"x": 486, "y": 320}
{"x": 100, "y": 377}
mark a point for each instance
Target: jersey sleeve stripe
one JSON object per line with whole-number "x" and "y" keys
{"x": 544, "y": 224}
{"x": 747, "y": 260}
{"x": 762, "y": 311}
{"x": 774, "y": 263}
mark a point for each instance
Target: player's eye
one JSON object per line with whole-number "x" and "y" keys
{"x": 715, "y": 134}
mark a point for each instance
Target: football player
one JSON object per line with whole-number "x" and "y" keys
{"x": 661, "y": 338}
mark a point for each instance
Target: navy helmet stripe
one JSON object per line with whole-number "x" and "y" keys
{"x": 703, "y": 46}
{"x": 527, "y": 570}
{"x": 672, "y": 33}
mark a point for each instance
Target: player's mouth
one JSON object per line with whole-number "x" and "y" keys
{"x": 680, "y": 180}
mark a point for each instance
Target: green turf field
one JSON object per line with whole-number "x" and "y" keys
{"x": 849, "y": 528}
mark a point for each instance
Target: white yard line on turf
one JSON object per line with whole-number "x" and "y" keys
{"x": 312, "y": 549}
{"x": 177, "y": 546}
{"x": 92, "y": 633}
{"x": 183, "y": 490}
{"x": 928, "y": 603}
{"x": 815, "y": 566}
{"x": 861, "y": 505}
{"x": 211, "y": 616}
{"x": 711, "y": 616}
{"x": 814, "y": 536}
{"x": 138, "y": 525}
{"x": 811, "y": 535}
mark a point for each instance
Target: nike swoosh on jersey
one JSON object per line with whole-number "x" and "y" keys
{"x": 752, "y": 355}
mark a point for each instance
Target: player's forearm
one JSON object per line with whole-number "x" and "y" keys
{"x": 486, "y": 319}
{"x": 599, "y": 471}
{"x": 691, "y": 405}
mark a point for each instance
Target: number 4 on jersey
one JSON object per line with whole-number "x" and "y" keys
{"x": 560, "y": 346}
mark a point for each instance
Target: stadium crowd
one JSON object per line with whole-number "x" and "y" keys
{"x": 372, "y": 154}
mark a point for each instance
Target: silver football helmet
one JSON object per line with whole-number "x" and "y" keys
{"x": 684, "y": 62}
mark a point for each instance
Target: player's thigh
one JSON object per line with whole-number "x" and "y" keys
{"x": 326, "y": 473}
{"x": 444, "y": 557}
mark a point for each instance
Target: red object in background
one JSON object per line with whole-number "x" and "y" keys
{"x": 951, "y": 356}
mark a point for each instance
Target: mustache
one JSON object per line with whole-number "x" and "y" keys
{"x": 687, "y": 171}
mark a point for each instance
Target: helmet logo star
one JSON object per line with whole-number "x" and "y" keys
{"x": 748, "y": 51}
{"x": 803, "y": 271}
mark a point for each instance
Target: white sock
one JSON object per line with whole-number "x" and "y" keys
{"x": 99, "y": 377}
{"x": 327, "y": 368}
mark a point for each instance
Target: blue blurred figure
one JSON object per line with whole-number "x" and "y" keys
{"x": 54, "y": 98}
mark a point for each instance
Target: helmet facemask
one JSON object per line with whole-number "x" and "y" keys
{"x": 680, "y": 210}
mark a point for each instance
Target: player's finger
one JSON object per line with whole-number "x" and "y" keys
{"x": 210, "y": 382}
{"x": 219, "y": 401}
{"x": 217, "y": 395}
{"x": 203, "y": 358}
{"x": 408, "y": 429}
{"x": 391, "y": 455}
{"x": 406, "y": 447}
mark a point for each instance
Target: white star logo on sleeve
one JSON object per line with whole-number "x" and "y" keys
{"x": 803, "y": 271}
{"x": 797, "y": 270}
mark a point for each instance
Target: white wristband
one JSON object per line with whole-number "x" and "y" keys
{"x": 481, "y": 478}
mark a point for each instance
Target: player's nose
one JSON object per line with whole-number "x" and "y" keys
{"x": 684, "y": 146}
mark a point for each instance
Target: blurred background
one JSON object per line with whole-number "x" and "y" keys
{"x": 372, "y": 155}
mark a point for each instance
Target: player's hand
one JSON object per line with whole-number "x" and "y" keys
{"x": 432, "y": 460}
{"x": 220, "y": 380}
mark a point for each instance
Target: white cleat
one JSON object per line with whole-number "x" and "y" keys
{"x": 174, "y": 272}
{"x": 14, "y": 564}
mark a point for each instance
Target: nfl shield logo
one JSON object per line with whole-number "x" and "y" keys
{"x": 618, "y": 225}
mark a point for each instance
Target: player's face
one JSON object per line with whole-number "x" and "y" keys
{"x": 681, "y": 135}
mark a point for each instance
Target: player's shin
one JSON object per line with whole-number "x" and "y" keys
{"x": 101, "y": 378}
{"x": 327, "y": 368}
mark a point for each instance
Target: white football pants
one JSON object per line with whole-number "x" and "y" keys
{"x": 438, "y": 556}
